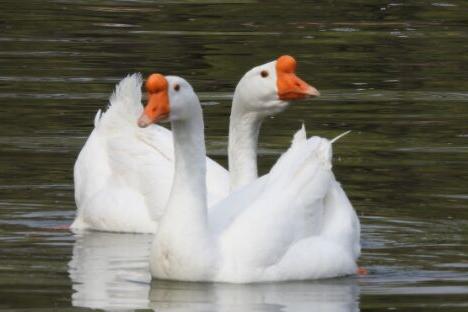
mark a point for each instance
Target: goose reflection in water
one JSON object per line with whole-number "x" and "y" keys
{"x": 111, "y": 272}
{"x": 334, "y": 295}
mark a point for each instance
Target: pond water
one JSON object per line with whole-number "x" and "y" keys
{"x": 392, "y": 72}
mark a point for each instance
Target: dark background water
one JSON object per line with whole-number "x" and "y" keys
{"x": 393, "y": 72}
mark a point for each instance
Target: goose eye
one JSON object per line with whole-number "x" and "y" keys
{"x": 177, "y": 87}
{"x": 264, "y": 73}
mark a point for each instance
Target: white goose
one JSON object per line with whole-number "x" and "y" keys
{"x": 123, "y": 173}
{"x": 265, "y": 240}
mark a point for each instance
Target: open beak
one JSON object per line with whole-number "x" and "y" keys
{"x": 290, "y": 87}
{"x": 157, "y": 107}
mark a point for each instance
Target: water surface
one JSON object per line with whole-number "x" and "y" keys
{"x": 393, "y": 72}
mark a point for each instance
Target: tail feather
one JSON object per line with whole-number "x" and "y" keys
{"x": 293, "y": 161}
{"x": 97, "y": 118}
{"x": 339, "y": 136}
{"x": 125, "y": 103}
{"x": 300, "y": 135}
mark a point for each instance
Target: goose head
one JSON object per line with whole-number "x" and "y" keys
{"x": 267, "y": 89}
{"x": 170, "y": 98}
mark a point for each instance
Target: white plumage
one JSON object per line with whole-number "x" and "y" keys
{"x": 123, "y": 173}
{"x": 294, "y": 223}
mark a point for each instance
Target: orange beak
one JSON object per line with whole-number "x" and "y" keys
{"x": 290, "y": 87}
{"x": 158, "y": 101}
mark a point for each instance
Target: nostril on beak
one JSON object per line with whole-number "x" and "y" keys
{"x": 144, "y": 121}
{"x": 141, "y": 124}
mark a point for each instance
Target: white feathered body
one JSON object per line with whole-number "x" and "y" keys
{"x": 294, "y": 223}
{"x": 123, "y": 174}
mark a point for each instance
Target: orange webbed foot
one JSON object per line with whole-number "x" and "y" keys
{"x": 62, "y": 227}
{"x": 361, "y": 271}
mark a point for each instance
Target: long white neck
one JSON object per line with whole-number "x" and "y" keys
{"x": 187, "y": 200}
{"x": 183, "y": 246}
{"x": 244, "y": 128}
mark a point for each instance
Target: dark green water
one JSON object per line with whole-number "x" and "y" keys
{"x": 394, "y": 73}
